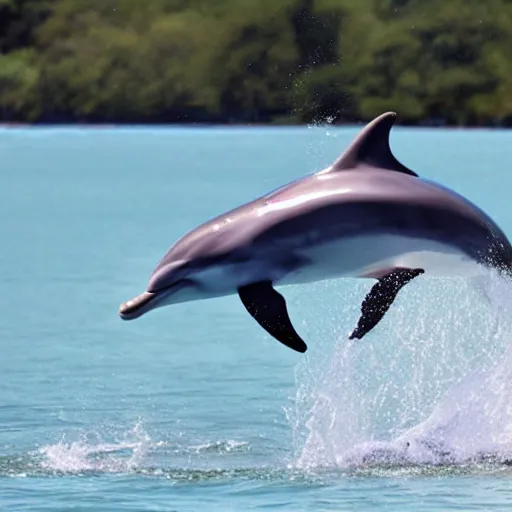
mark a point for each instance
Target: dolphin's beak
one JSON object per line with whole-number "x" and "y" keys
{"x": 137, "y": 306}
{"x": 147, "y": 301}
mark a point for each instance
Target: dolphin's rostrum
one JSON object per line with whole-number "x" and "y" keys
{"x": 367, "y": 215}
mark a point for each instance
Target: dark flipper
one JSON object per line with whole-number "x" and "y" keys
{"x": 268, "y": 308}
{"x": 380, "y": 298}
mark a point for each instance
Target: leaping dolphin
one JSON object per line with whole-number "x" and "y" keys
{"x": 366, "y": 215}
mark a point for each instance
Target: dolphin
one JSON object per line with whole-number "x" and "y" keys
{"x": 366, "y": 215}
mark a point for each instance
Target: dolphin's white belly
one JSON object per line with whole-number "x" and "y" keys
{"x": 361, "y": 256}
{"x": 348, "y": 257}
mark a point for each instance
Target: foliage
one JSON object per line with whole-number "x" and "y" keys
{"x": 255, "y": 61}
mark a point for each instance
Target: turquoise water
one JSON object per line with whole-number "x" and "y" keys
{"x": 194, "y": 407}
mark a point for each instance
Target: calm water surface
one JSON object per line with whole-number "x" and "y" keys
{"x": 194, "y": 407}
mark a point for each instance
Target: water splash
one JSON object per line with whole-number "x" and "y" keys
{"x": 430, "y": 388}
{"x": 85, "y": 456}
{"x": 131, "y": 452}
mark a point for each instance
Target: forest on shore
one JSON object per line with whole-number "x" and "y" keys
{"x": 445, "y": 62}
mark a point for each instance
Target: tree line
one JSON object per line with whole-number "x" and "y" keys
{"x": 256, "y": 61}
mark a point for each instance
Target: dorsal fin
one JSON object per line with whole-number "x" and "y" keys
{"x": 371, "y": 148}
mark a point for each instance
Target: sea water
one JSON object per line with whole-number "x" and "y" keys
{"x": 194, "y": 407}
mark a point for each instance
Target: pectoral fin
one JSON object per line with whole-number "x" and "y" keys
{"x": 380, "y": 297}
{"x": 268, "y": 308}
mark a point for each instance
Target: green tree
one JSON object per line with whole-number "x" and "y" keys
{"x": 255, "y": 60}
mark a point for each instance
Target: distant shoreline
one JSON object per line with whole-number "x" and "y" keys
{"x": 213, "y": 125}
{"x": 225, "y": 63}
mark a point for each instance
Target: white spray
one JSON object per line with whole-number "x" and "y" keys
{"x": 433, "y": 385}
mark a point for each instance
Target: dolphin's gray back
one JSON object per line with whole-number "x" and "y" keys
{"x": 324, "y": 207}
{"x": 366, "y": 202}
